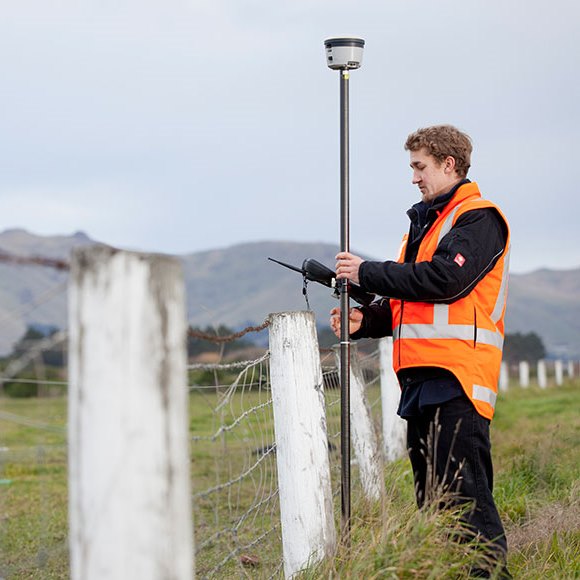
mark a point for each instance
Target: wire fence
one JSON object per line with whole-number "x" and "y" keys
{"x": 236, "y": 510}
{"x": 233, "y": 470}
{"x": 370, "y": 366}
{"x": 235, "y": 487}
{"x": 233, "y": 459}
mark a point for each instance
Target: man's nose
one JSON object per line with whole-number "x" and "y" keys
{"x": 416, "y": 179}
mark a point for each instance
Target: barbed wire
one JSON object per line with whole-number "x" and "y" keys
{"x": 54, "y": 263}
{"x": 227, "y": 338}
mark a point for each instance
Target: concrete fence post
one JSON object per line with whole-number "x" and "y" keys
{"x": 129, "y": 480}
{"x": 394, "y": 428}
{"x": 306, "y": 510}
{"x": 542, "y": 374}
{"x": 504, "y": 377}
{"x": 570, "y": 369}
{"x": 365, "y": 443}
{"x": 524, "y": 368}
{"x": 559, "y": 372}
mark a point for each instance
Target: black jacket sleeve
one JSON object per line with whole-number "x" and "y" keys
{"x": 377, "y": 320}
{"x": 463, "y": 257}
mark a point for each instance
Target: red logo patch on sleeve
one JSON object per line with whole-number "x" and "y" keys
{"x": 459, "y": 260}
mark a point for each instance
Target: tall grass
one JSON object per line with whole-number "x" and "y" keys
{"x": 536, "y": 441}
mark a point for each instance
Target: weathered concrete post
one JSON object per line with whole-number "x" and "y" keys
{"x": 129, "y": 479}
{"x": 394, "y": 428}
{"x": 542, "y": 374}
{"x": 524, "y": 368}
{"x": 559, "y": 372}
{"x": 308, "y": 531}
{"x": 504, "y": 378}
{"x": 365, "y": 443}
{"x": 570, "y": 369}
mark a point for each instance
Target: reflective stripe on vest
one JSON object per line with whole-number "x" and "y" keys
{"x": 485, "y": 394}
{"x": 442, "y": 329}
{"x": 502, "y": 294}
{"x": 448, "y": 331}
{"x": 447, "y": 224}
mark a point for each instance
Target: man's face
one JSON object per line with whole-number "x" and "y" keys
{"x": 432, "y": 178}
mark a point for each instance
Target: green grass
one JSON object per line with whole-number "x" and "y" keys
{"x": 536, "y": 437}
{"x": 33, "y": 463}
{"x": 536, "y": 444}
{"x": 536, "y": 448}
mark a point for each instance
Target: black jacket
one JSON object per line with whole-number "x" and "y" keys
{"x": 478, "y": 235}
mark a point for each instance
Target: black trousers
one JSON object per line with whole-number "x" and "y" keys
{"x": 450, "y": 451}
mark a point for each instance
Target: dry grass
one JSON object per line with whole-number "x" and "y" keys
{"x": 550, "y": 519}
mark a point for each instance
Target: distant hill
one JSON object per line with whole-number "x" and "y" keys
{"x": 547, "y": 302}
{"x": 32, "y": 294}
{"x": 238, "y": 286}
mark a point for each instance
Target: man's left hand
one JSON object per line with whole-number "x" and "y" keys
{"x": 347, "y": 266}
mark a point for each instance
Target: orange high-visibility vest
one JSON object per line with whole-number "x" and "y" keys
{"x": 466, "y": 336}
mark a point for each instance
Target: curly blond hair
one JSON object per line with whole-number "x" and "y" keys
{"x": 442, "y": 141}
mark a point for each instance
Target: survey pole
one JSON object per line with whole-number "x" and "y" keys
{"x": 344, "y": 54}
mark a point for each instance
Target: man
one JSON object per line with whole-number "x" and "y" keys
{"x": 444, "y": 304}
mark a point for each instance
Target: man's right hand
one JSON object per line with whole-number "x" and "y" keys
{"x": 355, "y": 318}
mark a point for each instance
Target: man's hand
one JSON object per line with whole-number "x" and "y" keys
{"x": 347, "y": 266}
{"x": 355, "y": 317}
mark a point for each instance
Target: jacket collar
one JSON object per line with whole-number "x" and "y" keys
{"x": 422, "y": 212}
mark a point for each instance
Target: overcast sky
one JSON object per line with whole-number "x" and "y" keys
{"x": 185, "y": 125}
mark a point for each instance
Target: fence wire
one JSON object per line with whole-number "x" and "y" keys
{"x": 370, "y": 366}
{"x": 236, "y": 503}
{"x": 236, "y": 506}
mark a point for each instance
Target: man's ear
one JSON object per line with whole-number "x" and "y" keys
{"x": 449, "y": 163}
